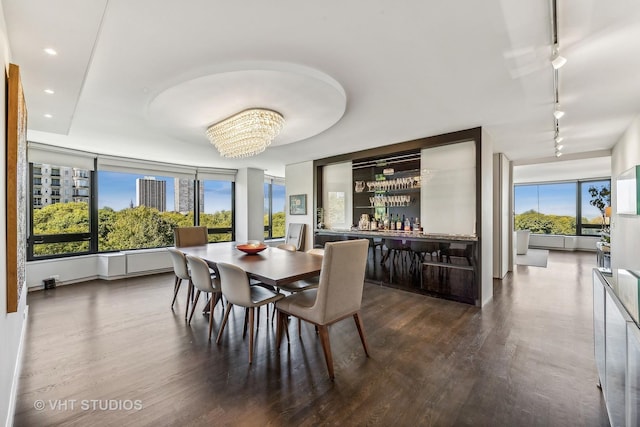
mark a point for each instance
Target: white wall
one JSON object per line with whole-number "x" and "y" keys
{"x": 249, "y": 206}
{"x": 625, "y": 229}
{"x": 501, "y": 217}
{"x": 486, "y": 225}
{"x": 299, "y": 180}
{"x": 12, "y": 325}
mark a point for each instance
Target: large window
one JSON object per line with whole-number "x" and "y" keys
{"x": 558, "y": 208}
{"x": 60, "y": 219}
{"x": 217, "y": 199}
{"x": 139, "y": 211}
{"x": 274, "y": 208}
{"x": 87, "y": 203}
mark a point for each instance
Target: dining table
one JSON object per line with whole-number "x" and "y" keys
{"x": 271, "y": 266}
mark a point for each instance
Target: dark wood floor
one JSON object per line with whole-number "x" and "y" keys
{"x": 525, "y": 359}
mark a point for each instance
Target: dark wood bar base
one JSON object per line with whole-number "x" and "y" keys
{"x": 443, "y": 266}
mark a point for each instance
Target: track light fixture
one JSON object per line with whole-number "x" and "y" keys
{"x": 558, "y": 113}
{"x": 558, "y": 139}
{"x": 558, "y": 153}
{"x": 557, "y": 61}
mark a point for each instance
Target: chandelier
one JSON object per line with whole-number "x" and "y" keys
{"x": 247, "y": 133}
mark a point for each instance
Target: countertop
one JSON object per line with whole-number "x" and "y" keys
{"x": 412, "y": 235}
{"x": 626, "y": 286}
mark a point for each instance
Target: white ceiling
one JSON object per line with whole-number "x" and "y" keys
{"x": 408, "y": 69}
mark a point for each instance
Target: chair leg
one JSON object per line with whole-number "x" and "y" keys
{"x": 326, "y": 348}
{"x": 193, "y": 306}
{"x": 246, "y": 319}
{"x": 360, "y": 327}
{"x": 251, "y": 333}
{"x": 189, "y": 298}
{"x": 212, "y": 303}
{"x": 224, "y": 322}
{"x": 176, "y": 287}
{"x": 299, "y": 328}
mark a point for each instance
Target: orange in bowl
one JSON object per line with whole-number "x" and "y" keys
{"x": 252, "y": 248}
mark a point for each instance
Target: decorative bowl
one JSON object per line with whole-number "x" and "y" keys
{"x": 252, "y": 248}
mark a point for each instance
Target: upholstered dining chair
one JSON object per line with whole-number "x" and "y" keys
{"x": 190, "y": 236}
{"x": 203, "y": 282}
{"x": 287, "y": 247}
{"x": 338, "y": 296}
{"x": 304, "y": 284}
{"x": 237, "y": 291}
{"x": 180, "y": 269}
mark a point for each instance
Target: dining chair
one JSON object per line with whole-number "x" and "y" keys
{"x": 181, "y": 270}
{"x": 338, "y": 296}
{"x": 190, "y": 236}
{"x": 287, "y": 247}
{"x": 303, "y": 284}
{"x": 295, "y": 235}
{"x": 236, "y": 289}
{"x": 203, "y": 282}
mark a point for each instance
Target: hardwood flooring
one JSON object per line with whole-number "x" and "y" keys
{"x": 114, "y": 354}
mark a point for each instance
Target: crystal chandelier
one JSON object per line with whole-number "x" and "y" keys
{"x": 247, "y": 133}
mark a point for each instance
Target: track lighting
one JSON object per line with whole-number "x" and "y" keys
{"x": 556, "y": 60}
{"x": 558, "y": 139}
{"x": 558, "y": 113}
{"x": 558, "y": 153}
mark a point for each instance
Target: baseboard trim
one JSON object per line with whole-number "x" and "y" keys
{"x": 16, "y": 372}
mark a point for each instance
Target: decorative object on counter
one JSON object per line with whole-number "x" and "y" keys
{"x": 320, "y": 218}
{"x": 298, "y": 204}
{"x": 246, "y": 133}
{"x": 359, "y": 186}
{"x": 252, "y": 247}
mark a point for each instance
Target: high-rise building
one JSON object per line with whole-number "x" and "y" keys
{"x": 59, "y": 184}
{"x": 183, "y": 195}
{"x": 151, "y": 193}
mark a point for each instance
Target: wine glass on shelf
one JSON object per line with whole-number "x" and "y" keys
{"x": 370, "y": 186}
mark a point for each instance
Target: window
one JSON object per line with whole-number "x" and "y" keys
{"x": 216, "y": 209}
{"x": 138, "y": 211}
{"x": 56, "y": 227}
{"x": 558, "y": 208}
{"x": 88, "y": 203}
{"x": 274, "y": 208}
{"x": 591, "y": 217}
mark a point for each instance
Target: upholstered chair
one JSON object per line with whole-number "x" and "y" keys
{"x": 203, "y": 282}
{"x": 190, "y": 236}
{"x": 237, "y": 291}
{"x": 287, "y": 247}
{"x": 181, "y": 271}
{"x": 338, "y": 295}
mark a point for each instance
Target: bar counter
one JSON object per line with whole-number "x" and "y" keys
{"x": 441, "y": 265}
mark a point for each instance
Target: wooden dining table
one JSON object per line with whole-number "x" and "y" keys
{"x": 272, "y": 266}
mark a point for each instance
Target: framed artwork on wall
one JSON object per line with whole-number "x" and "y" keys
{"x": 298, "y": 204}
{"x": 16, "y": 191}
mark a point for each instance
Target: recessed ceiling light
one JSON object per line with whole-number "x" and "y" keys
{"x": 48, "y": 116}
{"x": 49, "y": 91}
{"x": 50, "y": 51}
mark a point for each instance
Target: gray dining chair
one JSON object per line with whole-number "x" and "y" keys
{"x": 287, "y": 247}
{"x": 181, "y": 271}
{"x": 237, "y": 291}
{"x": 203, "y": 282}
{"x": 338, "y": 295}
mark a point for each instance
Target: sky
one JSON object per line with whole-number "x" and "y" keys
{"x": 554, "y": 199}
{"x": 118, "y": 190}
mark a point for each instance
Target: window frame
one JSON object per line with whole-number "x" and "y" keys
{"x": 580, "y": 183}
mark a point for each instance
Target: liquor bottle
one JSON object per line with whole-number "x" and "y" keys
{"x": 416, "y": 225}
{"x": 385, "y": 222}
{"x": 407, "y": 224}
{"x": 392, "y": 226}
{"x": 374, "y": 224}
{"x": 399, "y": 222}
